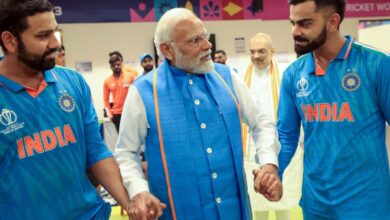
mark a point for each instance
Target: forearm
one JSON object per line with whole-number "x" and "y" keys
{"x": 131, "y": 170}
{"x": 107, "y": 172}
{"x": 262, "y": 127}
{"x": 134, "y": 126}
{"x": 288, "y": 137}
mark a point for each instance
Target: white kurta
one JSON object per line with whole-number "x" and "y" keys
{"x": 292, "y": 179}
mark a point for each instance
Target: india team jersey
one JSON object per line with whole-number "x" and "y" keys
{"x": 46, "y": 143}
{"x": 343, "y": 112}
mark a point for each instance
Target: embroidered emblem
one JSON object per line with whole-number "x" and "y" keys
{"x": 351, "y": 82}
{"x": 8, "y": 118}
{"x": 67, "y": 103}
{"x": 302, "y": 86}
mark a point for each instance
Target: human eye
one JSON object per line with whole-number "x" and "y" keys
{"x": 196, "y": 40}
{"x": 305, "y": 24}
{"x": 43, "y": 36}
{"x": 207, "y": 36}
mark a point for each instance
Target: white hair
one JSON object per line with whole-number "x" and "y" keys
{"x": 166, "y": 24}
{"x": 263, "y": 36}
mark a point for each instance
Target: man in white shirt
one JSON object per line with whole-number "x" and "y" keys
{"x": 188, "y": 114}
{"x": 263, "y": 79}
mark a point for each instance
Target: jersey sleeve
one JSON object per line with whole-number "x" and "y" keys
{"x": 96, "y": 149}
{"x": 383, "y": 87}
{"x": 288, "y": 122}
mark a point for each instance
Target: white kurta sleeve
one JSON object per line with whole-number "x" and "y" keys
{"x": 132, "y": 135}
{"x": 263, "y": 128}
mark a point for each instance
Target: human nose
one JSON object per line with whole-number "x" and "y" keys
{"x": 54, "y": 42}
{"x": 256, "y": 55}
{"x": 295, "y": 30}
{"x": 206, "y": 44}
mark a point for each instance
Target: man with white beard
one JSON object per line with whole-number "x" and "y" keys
{"x": 188, "y": 114}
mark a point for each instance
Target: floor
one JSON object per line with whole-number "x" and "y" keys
{"x": 296, "y": 214}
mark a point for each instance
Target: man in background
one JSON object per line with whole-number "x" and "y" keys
{"x": 339, "y": 91}
{"x": 60, "y": 57}
{"x": 146, "y": 63}
{"x": 125, "y": 67}
{"x": 116, "y": 86}
{"x": 220, "y": 57}
{"x": 263, "y": 79}
{"x": 49, "y": 132}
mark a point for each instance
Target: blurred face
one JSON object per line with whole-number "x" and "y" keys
{"x": 220, "y": 58}
{"x": 191, "y": 46}
{"x": 116, "y": 66}
{"x": 37, "y": 45}
{"x": 261, "y": 52}
{"x": 147, "y": 64}
{"x": 308, "y": 27}
{"x": 60, "y": 58}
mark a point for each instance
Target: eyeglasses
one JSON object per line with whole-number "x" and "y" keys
{"x": 259, "y": 51}
{"x": 195, "y": 40}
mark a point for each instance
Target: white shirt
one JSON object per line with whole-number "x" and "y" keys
{"x": 261, "y": 89}
{"x": 134, "y": 126}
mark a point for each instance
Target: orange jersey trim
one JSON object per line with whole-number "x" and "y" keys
{"x": 35, "y": 92}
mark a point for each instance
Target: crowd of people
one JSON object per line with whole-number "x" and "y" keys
{"x": 196, "y": 138}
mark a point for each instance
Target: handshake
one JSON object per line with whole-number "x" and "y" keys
{"x": 145, "y": 206}
{"x": 267, "y": 182}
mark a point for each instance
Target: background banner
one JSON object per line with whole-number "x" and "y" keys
{"x": 89, "y": 11}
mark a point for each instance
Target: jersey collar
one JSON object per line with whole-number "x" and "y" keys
{"x": 49, "y": 77}
{"x": 312, "y": 67}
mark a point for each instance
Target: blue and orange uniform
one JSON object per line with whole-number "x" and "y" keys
{"x": 343, "y": 110}
{"x": 48, "y": 137}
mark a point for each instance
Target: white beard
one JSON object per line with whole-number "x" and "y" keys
{"x": 184, "y": 62}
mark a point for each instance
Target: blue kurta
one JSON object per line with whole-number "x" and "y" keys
{"x": 202, "y": 141}
{"x": 343, "y": 113}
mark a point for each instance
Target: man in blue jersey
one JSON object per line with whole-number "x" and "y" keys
{"x": 188, "y": 114}
{"x": 339, "y": 90}
{"x": 49, "y": 133}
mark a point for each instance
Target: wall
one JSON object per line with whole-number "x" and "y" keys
{"x": 93, "y": 42}
{"x": 377, "y": 36}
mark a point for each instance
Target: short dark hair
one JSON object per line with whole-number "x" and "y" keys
{"x": 14, "y": 13}
{"x": 114, "y": 58}
{"x": 337, "y": 5}
{"x": 116, "y": 53}
{"x": 220, "y": 51}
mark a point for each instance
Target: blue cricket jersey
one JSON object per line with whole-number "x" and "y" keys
{"x": 46, "y": 143}
{"x": 343, "y": 113}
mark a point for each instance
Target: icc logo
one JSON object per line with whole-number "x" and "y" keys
{"x": 302, "y": 86}
{"x": 8, "y": 117}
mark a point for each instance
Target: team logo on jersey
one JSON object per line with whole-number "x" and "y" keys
{"x": 351, "y": 82}
{"x": 302, "y": 86}
{"x": 8, "y": 118}
{"x": 67, "y": 103}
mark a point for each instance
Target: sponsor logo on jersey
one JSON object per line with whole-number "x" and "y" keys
{"x": 67, "y": 103}
{"x": 302, "y": 87}
{"x": 325, "y": 112}
{"x": 351, "y": 82}
{"x": 46, "y": 140}
{"x": 8, "y": 118}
